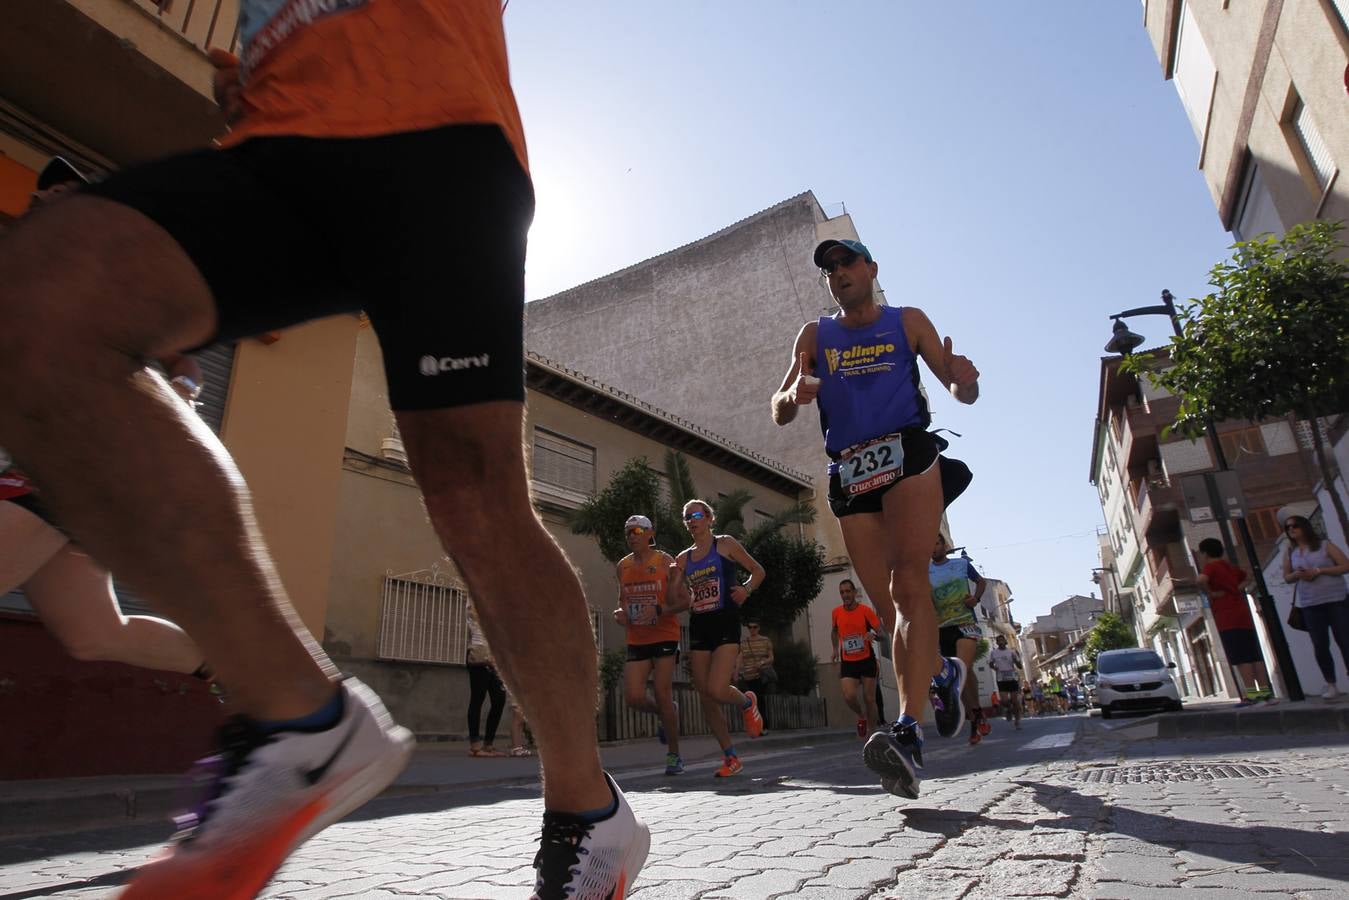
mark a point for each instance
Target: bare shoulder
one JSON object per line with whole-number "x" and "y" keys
{"x": 805, "y": 338}
{"x": 913, "y": 316}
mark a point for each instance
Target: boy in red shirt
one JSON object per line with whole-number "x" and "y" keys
{"x": 1223, "y": 582}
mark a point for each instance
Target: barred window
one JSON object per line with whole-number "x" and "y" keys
{"x": 560, "y": 462}
{"x": 423, "y": 618}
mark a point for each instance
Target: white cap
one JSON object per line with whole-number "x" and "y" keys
{"x": 637, "y": 522}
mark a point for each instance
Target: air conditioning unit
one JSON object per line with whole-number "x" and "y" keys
{"x": 391, "y": 448}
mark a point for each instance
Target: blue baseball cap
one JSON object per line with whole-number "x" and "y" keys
{"x": 855, "y": 246}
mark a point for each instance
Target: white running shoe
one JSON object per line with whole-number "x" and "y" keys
{"x": 580, "y": 860}
{"x": 270, "y": 794}
{"x": 1331, "y": 692}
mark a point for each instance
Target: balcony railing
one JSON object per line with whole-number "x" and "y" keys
{"x": 1157, "y": 504}
{"x": 1170, "y": 575}
{"x": 203, "y": 23}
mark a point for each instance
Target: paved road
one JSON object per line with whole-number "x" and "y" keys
{"x": 1063, "y": 809}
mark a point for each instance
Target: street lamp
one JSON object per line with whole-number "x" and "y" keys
{"x": 1123, "y": 341}
{"x": 1114, "y": 578}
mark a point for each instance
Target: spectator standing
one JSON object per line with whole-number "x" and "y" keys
{"x": 1315, "y": 567}
{"x": 483, "y": 684}
{"x": 756, "y": 665}
{"x": 1224, "y": 583}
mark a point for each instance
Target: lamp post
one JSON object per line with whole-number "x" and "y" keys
{"x": 1123, "y": 341}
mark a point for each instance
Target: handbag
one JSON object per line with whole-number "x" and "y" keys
{"x": 1295, "y": 614}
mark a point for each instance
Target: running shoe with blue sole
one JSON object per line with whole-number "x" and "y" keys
{"x": 947, "y": 707}
{"x": 896, "y": 754}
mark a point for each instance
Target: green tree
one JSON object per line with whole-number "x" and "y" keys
{"x": 794, "y": 566}
{"x": 1109, "y": 633}
{"x": 1272, "y": 339}
{"x": 797, "y": 670}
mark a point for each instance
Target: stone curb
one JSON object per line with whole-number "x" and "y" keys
{"x": 67, "y": 809}
{"x": 1308, "y": 717}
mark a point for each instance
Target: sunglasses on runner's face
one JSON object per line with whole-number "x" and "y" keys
{"x": 637, "y": 530}
{"x": 696, "y": 514}
{"x": 833, "y": 265}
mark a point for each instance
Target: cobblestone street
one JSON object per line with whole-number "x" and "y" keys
{"x": 1066, "y": 808}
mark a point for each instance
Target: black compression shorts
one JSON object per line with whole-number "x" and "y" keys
{"x": 424, "y": 231}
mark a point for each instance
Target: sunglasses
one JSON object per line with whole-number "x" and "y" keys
{"x": 637, "y": 530}
{"x": 838, "y": 262}
{"x": 696, "y": 514}
{"x": 1290, "y": 526}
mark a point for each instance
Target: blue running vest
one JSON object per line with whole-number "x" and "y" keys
{"x": 869, "y": 381}
{"x": 709, "y": 581}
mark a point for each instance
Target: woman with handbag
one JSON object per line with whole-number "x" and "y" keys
{"x": 1316, "y": 567}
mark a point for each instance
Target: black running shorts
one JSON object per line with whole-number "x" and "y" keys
{"x": 1009, "y": 687}
{"x": 920, "y": 454}
{"x": 424, "y": 231}
{"x": 949, "y": 635}
{"x": 643, "y": 652}
{"x": 35, "y": 506}
{"x": 710, "y": 630}
{"x": 858, "y": 668}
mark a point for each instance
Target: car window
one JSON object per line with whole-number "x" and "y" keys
{"x": 1128, "y": 662}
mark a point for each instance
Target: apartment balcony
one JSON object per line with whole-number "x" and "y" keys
{"x": 119, "y": 81}
{"x": 1172, "y": 575}
{"x": 1157, "y": 509}
{"x": 1138, "y": 437}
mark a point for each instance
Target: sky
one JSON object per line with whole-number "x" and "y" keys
{"x": 1018, "y": 170}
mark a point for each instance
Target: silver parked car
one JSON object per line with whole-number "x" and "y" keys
{"x": 1134, "y": 679}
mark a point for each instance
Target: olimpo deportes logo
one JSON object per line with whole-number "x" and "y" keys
{"x": 433, "y": 365}
{"x": 859, "y": 358}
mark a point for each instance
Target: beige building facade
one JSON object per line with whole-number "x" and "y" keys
{"x": 396, "y": 604}
{"x": 1263, "y": 83}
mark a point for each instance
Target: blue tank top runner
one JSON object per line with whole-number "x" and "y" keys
{"x": 709, "y": 581}
{"x": 869, "y": 382}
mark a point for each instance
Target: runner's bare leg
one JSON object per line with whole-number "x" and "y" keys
{"x": 535, "y": 616}
{"x": 93, "y": 280}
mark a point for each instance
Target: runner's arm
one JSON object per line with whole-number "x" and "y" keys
{"x": 676, "y": 590}
{"x": 980, "y": 584}
{"x": 956, "y": 373}
{"x": 620, "y": 614}
{"x": 796, "y": 390}
{"x": 739, "y": 554}
{"x": 833, "y": 637}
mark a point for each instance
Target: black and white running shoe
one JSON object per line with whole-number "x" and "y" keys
{"x": 896, "y": 754}
{"x": 581, "y": 860}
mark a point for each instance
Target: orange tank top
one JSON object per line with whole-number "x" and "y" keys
{"x": 641, "y": 588}
{"x": 358, "y": 68}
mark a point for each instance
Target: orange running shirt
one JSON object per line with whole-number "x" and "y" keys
{"x": 852, "y": 631}
{"x": 641, "y": 588}
{"x": 358, "y": 68}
